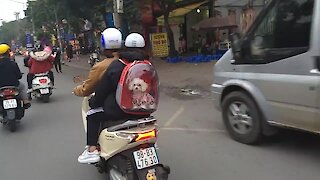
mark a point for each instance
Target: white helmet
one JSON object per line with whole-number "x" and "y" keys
{"x": 111, "y": 39}
{"x": 135, "y": 40}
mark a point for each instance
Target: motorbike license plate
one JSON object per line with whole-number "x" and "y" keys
{"x": 44, "y": 91}
{"x": 10, "y": 104}
{"x": 146, "y": 158}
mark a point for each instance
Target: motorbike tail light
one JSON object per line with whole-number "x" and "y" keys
{"x": 43, "y": 81}
{"x": 9, "y": 92}
{"x": 147, "y": 135}
{"x": 129, "y": 136}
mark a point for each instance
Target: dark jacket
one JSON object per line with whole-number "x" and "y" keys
{"x": 9, "y": 73}
{"x": 105, "y": 94}
{"x": 57, "y": 59}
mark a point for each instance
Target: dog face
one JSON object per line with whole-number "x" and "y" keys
{"x": 138, "y": 85}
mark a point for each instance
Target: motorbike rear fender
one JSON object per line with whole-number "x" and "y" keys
{"x": 36, "y": 82}
{"x": 120, "y": 161}
{"x": 13, "y": 114}
{"x": 10, "y": 114}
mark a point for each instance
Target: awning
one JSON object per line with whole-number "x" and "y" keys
{"x": 184, "y": 10}
{"x": 215, "y": 23}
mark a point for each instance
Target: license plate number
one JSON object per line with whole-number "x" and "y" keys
{"x": 10, "y": 104}
{"x": 146, "y": 158}
{"x": 44, "y": 91}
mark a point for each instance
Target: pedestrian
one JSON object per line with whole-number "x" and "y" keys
{"x": 198, "y": 44}
{"x": 57, "y": 59}
{"x": 69, "y": 50}
{"x": 184, "y": 45}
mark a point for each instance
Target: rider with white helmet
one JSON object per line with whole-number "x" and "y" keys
{"x": 103, "y": 104}
{"x": 111, "y": 41}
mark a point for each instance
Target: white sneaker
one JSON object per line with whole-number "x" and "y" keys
{"x": 89, "y": 157}
{"x": 29, "y": 91}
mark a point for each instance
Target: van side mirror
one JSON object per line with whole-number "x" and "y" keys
{"x": 236, "y": 45}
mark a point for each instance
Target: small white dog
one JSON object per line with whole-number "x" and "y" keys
{"x": 141, "y": 98}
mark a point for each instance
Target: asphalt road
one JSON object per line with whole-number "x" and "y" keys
{"x": 192, "y": 142}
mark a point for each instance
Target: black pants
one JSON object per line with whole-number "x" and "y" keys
{"x": 57, "y": 65}
{"x": 94, "y": 122}
{"x": 31, "y": 76}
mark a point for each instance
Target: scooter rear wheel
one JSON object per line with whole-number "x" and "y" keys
{"x": 45, "y": 98}
{"x": 115, "y": 175}
{"x": 12, "y": 125}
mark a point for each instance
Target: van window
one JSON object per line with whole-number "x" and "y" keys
{"x": 285, "y": 31}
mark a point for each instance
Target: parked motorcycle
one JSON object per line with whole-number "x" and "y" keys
{"x": 94, "y": 58}
{"x": 128, "y": 149}
{"x": 11, "y": 108}
{"x": 42, "y": 87}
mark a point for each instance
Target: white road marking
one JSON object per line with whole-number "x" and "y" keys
{"x": 193, "y": 130}
{"x": 174, "y": 117}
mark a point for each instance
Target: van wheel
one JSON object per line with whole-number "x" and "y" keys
{"x": 242, "y": 118}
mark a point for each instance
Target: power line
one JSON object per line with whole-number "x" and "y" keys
{"x": 16, "y": 1}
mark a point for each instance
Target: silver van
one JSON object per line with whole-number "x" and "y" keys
{"x": 271, "y": 77}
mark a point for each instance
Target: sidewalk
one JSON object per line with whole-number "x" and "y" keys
{"x": 82, "y": 63}
{"x": 172, "y": 76}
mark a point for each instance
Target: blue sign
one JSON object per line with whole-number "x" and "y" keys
{"x": 109, "y": 20}
{"x": 29, "y": 40}
{"x": 69, "y": 37}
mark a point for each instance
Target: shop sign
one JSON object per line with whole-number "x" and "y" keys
{"x": 160, "y": 43}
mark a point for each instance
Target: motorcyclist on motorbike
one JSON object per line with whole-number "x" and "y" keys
{"x": 41, "y": 61}
{"x": 103, "y": 104}
{"x": 97, "y": 71}
{"x": 10, "y": 74}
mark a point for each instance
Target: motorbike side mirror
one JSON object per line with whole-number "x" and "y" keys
{"x": 236, "y": 47}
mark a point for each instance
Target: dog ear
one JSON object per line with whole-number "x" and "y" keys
{"x": 144, "y": 86}
{"x": 131, "y": 84}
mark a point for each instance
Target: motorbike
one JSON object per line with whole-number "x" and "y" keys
{"x": 42, "y": 87}
{"x": 94, "y": 58}
{"x": 11, "y": 108}
{"x": 128, "y": 149}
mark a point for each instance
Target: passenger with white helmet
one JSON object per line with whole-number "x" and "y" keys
{"x": 135, "y": 42}
{"x": 104, "y": 104}
{"x": 111, "y": 41}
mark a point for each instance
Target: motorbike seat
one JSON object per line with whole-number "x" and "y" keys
{"x": 9, "y": 87}
{"x": 41, "y": 75}
{"x": 127, "y": 124}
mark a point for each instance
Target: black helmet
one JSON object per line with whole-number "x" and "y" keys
{"x": 38, "y": 48}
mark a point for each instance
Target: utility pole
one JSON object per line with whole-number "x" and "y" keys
{"x": 17, "y": 16}
{"x": 32, "y": 20}
{"x": 118, "y": 11}
{"x": 58, "y": 29}
{"x": 212, "y": 4}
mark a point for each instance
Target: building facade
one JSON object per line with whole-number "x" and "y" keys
{"x": 190, "y": 12}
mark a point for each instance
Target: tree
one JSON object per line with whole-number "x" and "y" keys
{"x": 14, "y": 30}
{"x": 167, "y": 6}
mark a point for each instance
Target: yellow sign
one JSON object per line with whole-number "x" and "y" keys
{"x": 160, "y": 44}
